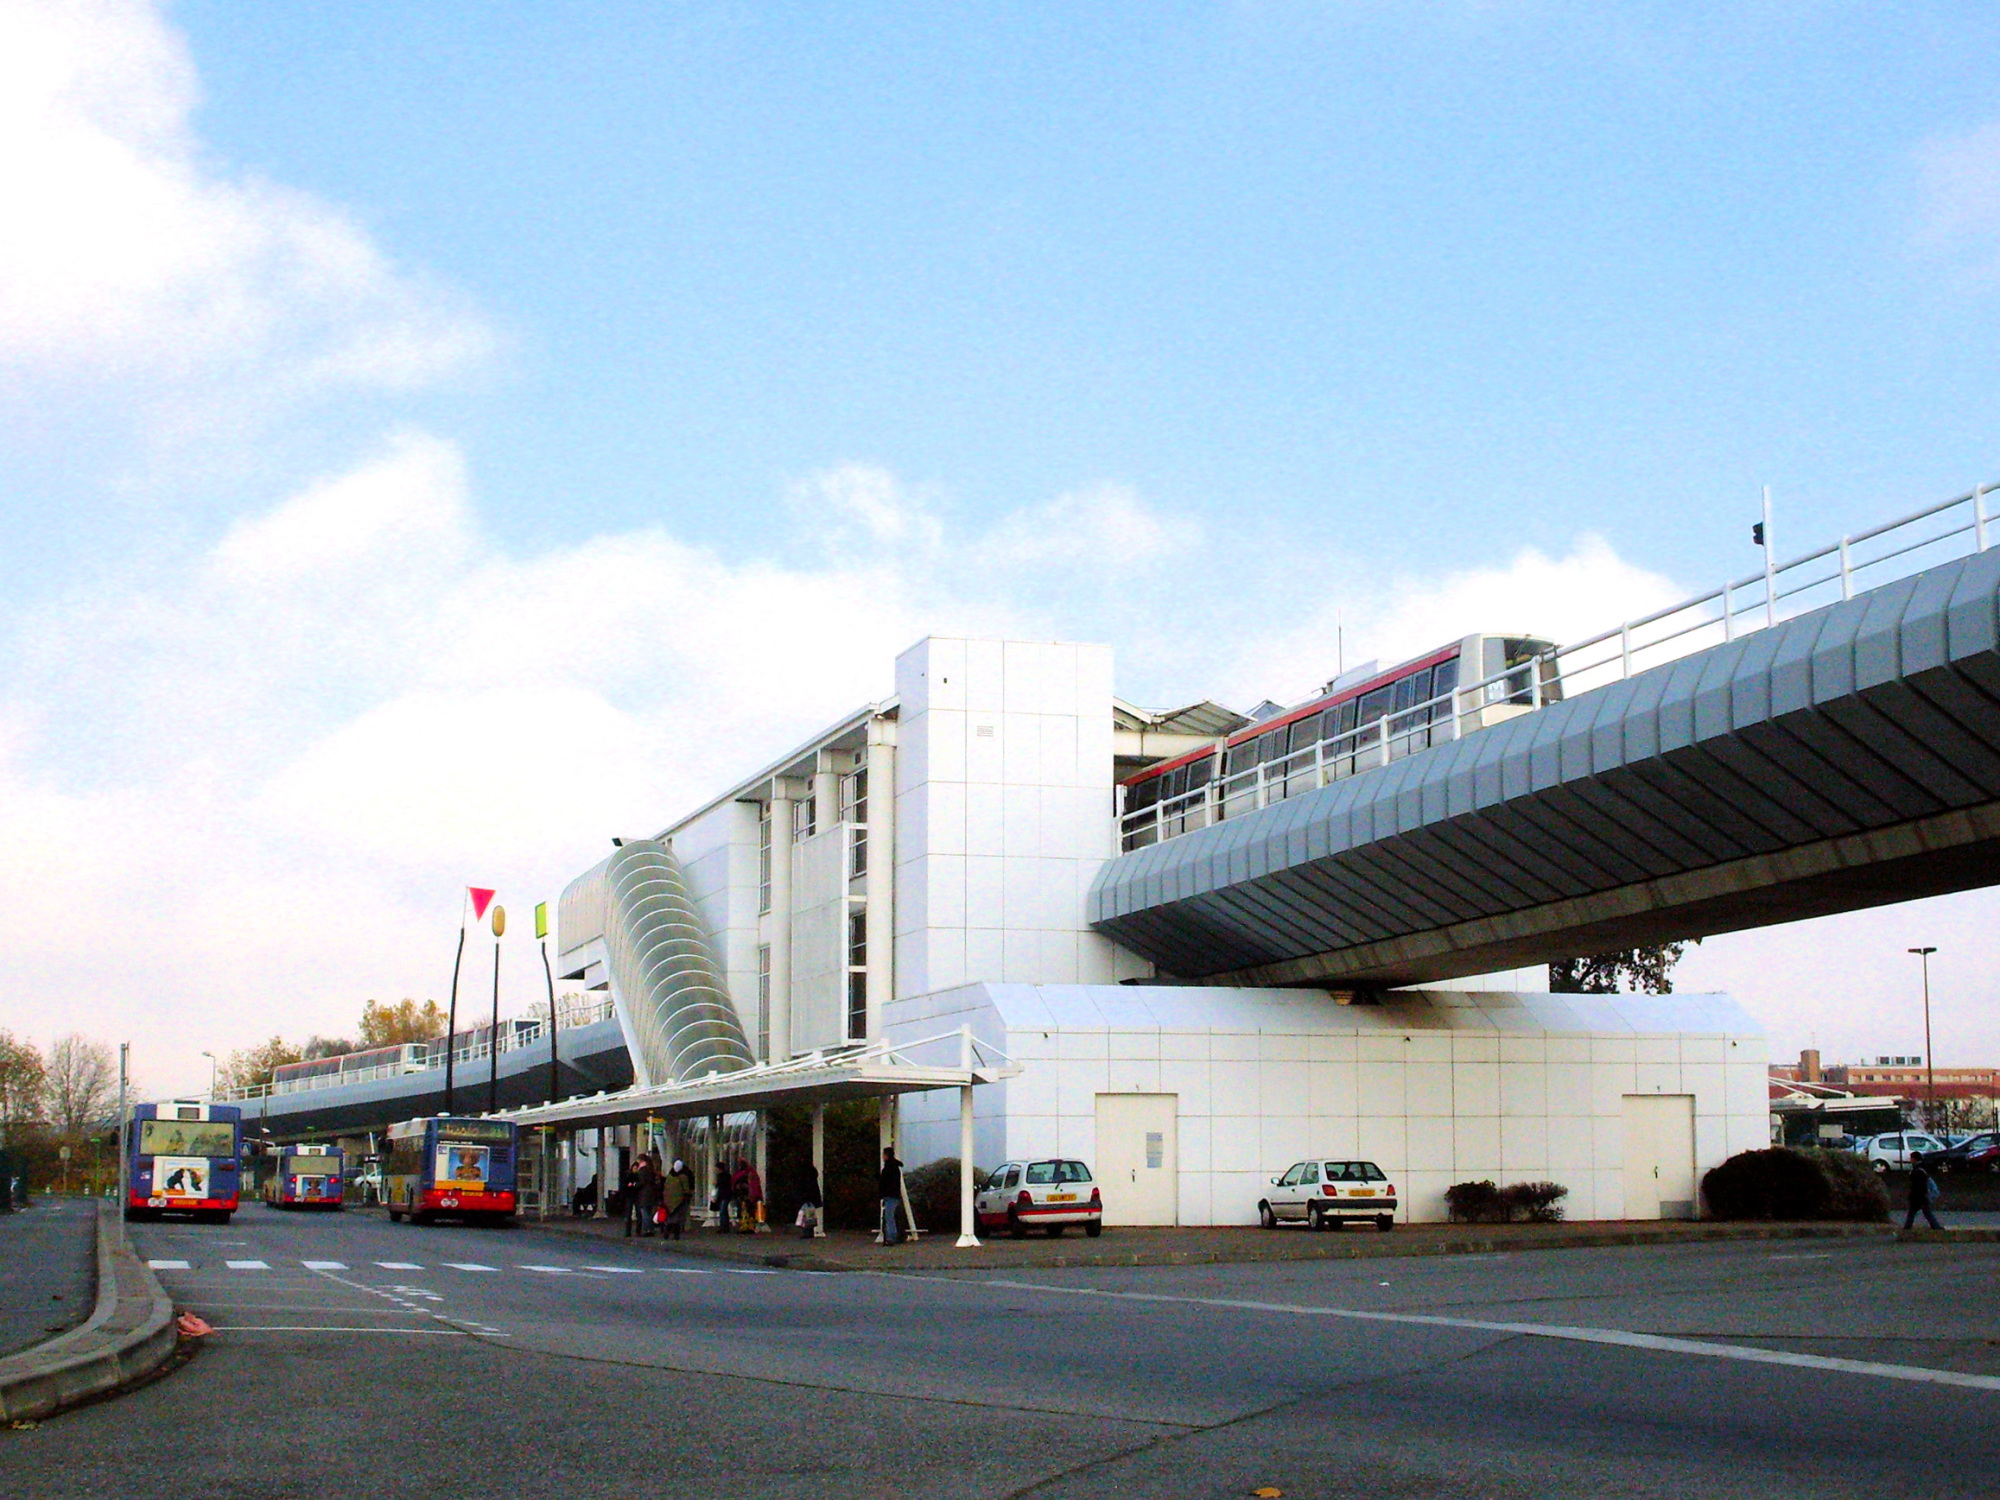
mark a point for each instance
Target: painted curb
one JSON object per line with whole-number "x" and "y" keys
{"x": 129, "y": 1334}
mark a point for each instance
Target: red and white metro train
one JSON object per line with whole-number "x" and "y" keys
{"x": 1361, "y": 720}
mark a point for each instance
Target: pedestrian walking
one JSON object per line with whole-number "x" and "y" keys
{"x": 751, "y": 1191}
{"x": 810, "y": 1204}
{"x": 676, "y": 1198}
{"x": 628, "y": 1196}
{"x": 889, "y": 1188}
{"x": 647, "y": 1182}
{"x": 1923, "y": 1193}
{"x": 723, "y": 1180}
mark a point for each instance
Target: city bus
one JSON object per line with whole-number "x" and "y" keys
{"x": 305, "y": 1177}
{"x": 184, "y": 1157}
{"x": 447, "y": 1166}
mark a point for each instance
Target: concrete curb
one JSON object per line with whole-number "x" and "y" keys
{"x": 129, "y": 1334}
{"x": 1002, "y": 1255}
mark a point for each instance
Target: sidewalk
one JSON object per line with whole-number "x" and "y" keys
{"x": 129, "y": 1334}
{"x": 846, "y": 1250}
{"x": 47, "y": 1269}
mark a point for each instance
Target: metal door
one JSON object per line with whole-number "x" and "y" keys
{"x": 1138, "y": 1158}
{"x": 1659, "y": 1156}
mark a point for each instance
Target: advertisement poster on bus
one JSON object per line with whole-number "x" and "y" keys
{"x": 177, "y": 1177}
{"x": 462, "y": 1166}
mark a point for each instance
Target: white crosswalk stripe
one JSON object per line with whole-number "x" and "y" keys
{"x": 586, "y": 1269}
{"x": 168, "y": 1265}
{"x": 469, "y": 1265}
{"x": 324, "y": 1265}
{"x": 617, "y": 1270}
{"x": 399, "y": 1265}
{"x": 247, "y": 1265}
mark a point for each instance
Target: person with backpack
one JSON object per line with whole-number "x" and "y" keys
{"x": 1923, "y": 1193}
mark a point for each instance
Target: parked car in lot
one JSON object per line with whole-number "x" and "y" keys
{"x": 1894, "y": 1149}
{"x": 1324, "y": 1194}
{"x": 1975, "y": 1153}
{"x": 1048, "y": 1195}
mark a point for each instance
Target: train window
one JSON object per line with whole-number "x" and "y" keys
{"x": 1240, "y": 757}
{"x": 1306, "y": 732}
{"x": 1142, "y": 795}
{"x": 1444, "y": 677}
{"x": 1271, "y": 745}
{"x": 1343, "y": 718}
{"x": 1376, "y": 704}
{"x": 1173, "y": 784}
{"x": 1199, "y": 772}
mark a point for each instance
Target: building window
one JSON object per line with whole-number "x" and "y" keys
{"x": 805, "y": 819}
{"x": 857, "y": 974}
{"x": 763, "y": 1002}
{"x": 854, "y": 813}
{"x": 764, "y": 860}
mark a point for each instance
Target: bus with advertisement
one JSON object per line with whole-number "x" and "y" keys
{"x": 184, "y": 1157}
{"x": 447, "y": 1166}
{"x": 304, "y": 1177}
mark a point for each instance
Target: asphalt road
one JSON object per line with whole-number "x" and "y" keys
{"x": 357, "y": 1357}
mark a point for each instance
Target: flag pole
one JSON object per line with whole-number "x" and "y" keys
{"x": 493, "y": 1036}
{"x": 451, "y": 1021}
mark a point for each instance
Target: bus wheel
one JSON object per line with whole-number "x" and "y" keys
{"x": 417, "y": 1218}
{"x": 223, "y": 1216}
{"x": 395, "y": 1217}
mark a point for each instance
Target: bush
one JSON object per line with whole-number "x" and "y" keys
{"x": 1476, "y": 1203}
{"x": 1781, "y": 1183}
{"x": 1537, "y": 1202}
{"x": 1857, "y": 1192}
{"x": 933, "y": 1193}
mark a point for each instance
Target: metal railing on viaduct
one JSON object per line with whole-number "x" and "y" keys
{"x": 1791, "y": 744}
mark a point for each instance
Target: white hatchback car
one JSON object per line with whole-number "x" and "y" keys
{"x": 1050, "y": 1195}
{"x": 1893, "y": 1150}
{"x": 1325, "y": 1194}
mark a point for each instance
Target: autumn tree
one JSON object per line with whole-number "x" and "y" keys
{"x": 80, "y": 1080}
{"x": 317, "y": 1046}
{"x": 1648, "y": 971}
{"x": 22, "y": 1079}
{"x": 253, "y": 1066}
{"x": 405, "y": 1021}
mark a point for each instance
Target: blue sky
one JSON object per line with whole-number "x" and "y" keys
{"x": 433, "y": 436}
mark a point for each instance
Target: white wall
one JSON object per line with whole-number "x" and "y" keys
{"x": 1003, "y": 813}
{"x": 718, "y": 855}
{"x": 1437, "y": 1087}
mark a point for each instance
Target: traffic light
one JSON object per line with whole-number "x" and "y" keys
{"x": 1757, "y": 533}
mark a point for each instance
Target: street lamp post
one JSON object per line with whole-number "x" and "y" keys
{"x": 211, "y": 1076}
{"x": 1930, "y": 1062}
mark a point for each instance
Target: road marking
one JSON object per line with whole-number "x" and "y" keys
{"x": 399, "y": 1265}
{"x": 745, "y": 1271}
{"x": 247, "y": 1265}
{"x": 469, "y": 1265}
{"x": 324, "y": 1265}
{"x": 445, "y": 1333}
{"x": 618, "y": 1270}
{"x": 168, "y": 1265}
{"x": 1821, "y": 1256}
{"x": 1616, "y": 1337}
{"x": 686, "y": 1271}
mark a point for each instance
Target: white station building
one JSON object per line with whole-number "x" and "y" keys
{"x": 922, "y": 868}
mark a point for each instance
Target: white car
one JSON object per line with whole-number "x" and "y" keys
{"x": 1326, "y": 1194}
{"x": 1049, "y": 1195}
{"x": 1893, "y": 1150}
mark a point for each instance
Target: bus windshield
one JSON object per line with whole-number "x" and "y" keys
{"x": 187, "y": 1138}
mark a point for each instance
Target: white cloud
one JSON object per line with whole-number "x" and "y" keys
{"x": 125, "y": 255}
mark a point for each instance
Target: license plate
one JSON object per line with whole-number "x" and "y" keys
{"x": 1361, "y": 1193}
{"x": 1062, "y": 1197}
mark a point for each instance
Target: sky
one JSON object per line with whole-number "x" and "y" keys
{"x": 435, "y": 439}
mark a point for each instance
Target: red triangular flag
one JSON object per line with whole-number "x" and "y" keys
{"x": 480, "y": 901}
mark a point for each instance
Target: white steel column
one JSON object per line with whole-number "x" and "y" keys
{"x": 819, "y": 1165}
{"x": 881, "y": 917}
{"x": 777, "y": 924}
{"x": 968, "y": 1224}
{"x": 603, "y": 1188}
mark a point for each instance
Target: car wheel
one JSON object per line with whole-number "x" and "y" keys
{"x": 1881, "y": 1167}
{"x": 1015, "y": 1228}
{"x": 1094, "y": 1228}
{"x": 1385, "y": 1223}
{"x": 1265, "y": 1217}
{"x": 1315, "y": 1220}
{"x": 1055, "y": 1231}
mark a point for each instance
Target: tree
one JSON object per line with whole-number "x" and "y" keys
{"x": 82, "y": 1077}
{"x": 254, "y": 1066}
{"x": 22, "y": 1079}
{"x": 405, "y": 1021}
{"x": 326, "y": 1046}
{"x": 1647, "y": 971}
